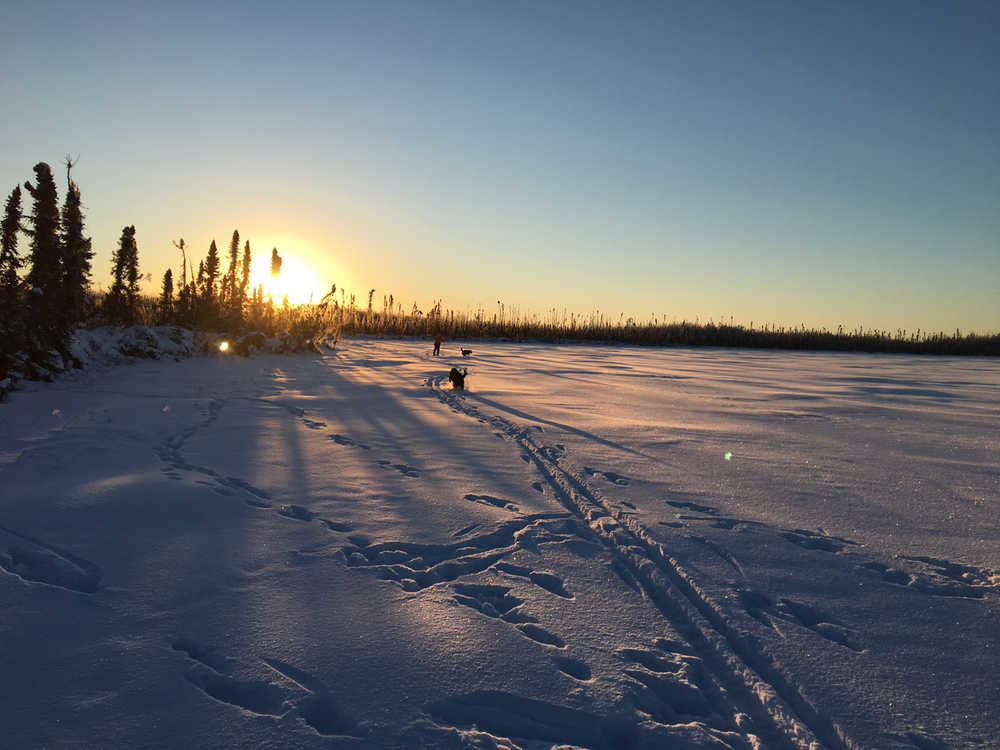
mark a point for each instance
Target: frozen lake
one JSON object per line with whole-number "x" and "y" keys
{"x": 592, "y": 546}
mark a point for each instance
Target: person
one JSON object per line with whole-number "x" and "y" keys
{"x": 437, "y": 345}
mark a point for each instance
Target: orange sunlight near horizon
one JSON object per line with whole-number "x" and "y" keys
{"x": 297, "y": 280}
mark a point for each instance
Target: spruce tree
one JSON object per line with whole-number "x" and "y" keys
{"x": 12, "y": 317}
{"x": 198, "y": 295}
{"x": 10, "y": 262}
{"x": 132, "y": 277}
{"x": 46, "y": 274}
{"x": 122, "y": 300}
{"x": 211, "y": 277}
{"x": 245, "y": 277}
{"x": 167, "y": 297}
{"x": 46, "y": 269}
{"x": 275, "y": 263}
{"x": 76, "y": 255}
{"x": 230, "y": 286}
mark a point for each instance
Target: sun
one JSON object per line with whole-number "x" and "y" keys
{"x": 296, "y": 279}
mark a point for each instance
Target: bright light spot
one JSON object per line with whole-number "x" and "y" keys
{"x": 728, "y": 455}
{"x": 296, "y": 280}
{"x": 166, "y": 408}
{"x": 224, "y": 346}
{"x": 56, "y": 412}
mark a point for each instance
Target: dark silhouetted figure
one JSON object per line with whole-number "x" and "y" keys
{"x": 437, "y": 345}
{"x": 457, "y": 378}
{"x": 466, "y": 352}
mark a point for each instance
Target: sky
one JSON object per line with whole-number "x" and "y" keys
{"x": 818, "y": 164}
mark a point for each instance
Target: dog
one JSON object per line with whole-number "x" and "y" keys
{"x": 466, "y": 352}
{"x": 457, "y": 378}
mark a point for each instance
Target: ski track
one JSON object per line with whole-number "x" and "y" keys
{"x": 781, "y": 714}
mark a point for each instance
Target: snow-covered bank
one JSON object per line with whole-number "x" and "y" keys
{"x": 111, "y": 345}
{"x": 600, "y": 547}
{"x": 107, "y": 345}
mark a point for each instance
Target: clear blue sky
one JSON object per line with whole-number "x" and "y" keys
{"x": 787, "y": 162}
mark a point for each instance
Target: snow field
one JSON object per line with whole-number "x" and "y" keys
{"x": 340, "y": 551}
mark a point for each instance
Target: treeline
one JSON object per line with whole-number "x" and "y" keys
{"x": 45, "y": 284}
{"x": 212, "y": 299}
{"x": 562, "y": 326}
{"x": 44, "y": 291}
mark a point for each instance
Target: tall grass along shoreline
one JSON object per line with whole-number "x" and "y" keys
{"x": 341, "y": 318}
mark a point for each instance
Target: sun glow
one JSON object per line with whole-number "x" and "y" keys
{"x": 296, "y": 279}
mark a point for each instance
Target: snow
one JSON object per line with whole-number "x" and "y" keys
{"x": 112, "y": 345}
{"x": 591, "y": 546}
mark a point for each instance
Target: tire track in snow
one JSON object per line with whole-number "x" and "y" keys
{"x": 779, "y": 709}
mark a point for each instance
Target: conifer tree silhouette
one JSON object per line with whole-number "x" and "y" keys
{"x": 211, "y": 275}
{"x": 46, "y": 275}
{"x": 12, "y": 318}
{"x": 198, "y": 295}
{"x": 167, "y": 297}
{"x": 10, "y": 262}
{"x": 76, "y": 254}
{"x": 244, "y": 277}
{"x": 230, "y": 297}
{"x": 122, "y": 299}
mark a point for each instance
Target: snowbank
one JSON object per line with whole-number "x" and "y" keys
{"x": 107, "y": 346}
{"x": 110, "y": 345}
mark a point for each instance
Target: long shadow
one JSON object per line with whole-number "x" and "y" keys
{"x": 404, "y": 421}
{"x": 559, "y": 425}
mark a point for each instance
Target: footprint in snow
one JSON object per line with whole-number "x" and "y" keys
{"x": 255, "y": 696}
{"x": 575, "y": 668}
{"x": 338, "y": 526}
{"x": 493, "y": 601}
{"x": 611, "y": 476}
{"x": 35, "y": 561}
{"x": 316, "y": 707}
{"x": 541, "y": 635}
{"x": 201, "y": 654}
{"x": 816, "y": 541}
{"x": 344, "y": 440}
{"x": 548, "y": 581}
{"x": 494, "y": 501}
{"x": 465, "y": 530}
{"x": 403, "y": 469}
{"x": 693, "y": 506}
{"x": 297, "y": 512}
{"x": 763, "y": 609}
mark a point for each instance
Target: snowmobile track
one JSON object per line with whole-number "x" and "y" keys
{"x": 782, "y": 715}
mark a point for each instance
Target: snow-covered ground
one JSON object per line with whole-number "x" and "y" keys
{"x": 593, "y": 546}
